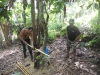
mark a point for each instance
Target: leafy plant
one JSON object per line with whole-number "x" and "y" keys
{"x": 95, "y": 42}
{"x": 63, "y": 31}
{"x": 51, "y": 36}
{"x": 42, "y": 58}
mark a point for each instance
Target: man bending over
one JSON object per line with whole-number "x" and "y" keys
{"x": 26, "y": 37}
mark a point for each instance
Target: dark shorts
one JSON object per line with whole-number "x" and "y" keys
{"x": 71, "y": 44}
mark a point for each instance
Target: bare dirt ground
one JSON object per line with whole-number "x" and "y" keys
{"x": 58, "y": 65}
{"x": 82, "y": 65}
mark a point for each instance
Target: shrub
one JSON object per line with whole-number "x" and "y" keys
{"x": 63, "y": 31}
{"x": 52, "y": 35}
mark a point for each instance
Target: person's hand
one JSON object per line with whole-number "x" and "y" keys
{"x": 33, "y": 47}
{"x": 25, "y": 42}
{"x": 74, "y": 41}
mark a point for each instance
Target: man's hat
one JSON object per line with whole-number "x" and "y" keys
{"x": 71, "y": 21}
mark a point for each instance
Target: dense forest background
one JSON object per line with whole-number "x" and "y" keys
{"x": 49, "y": 19}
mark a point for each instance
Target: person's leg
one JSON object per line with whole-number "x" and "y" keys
{"x": 24, "y": 49}
{"x": 29, "y": 48}
{"x": 68, "y": 48}
{"x": 74, "y": 52}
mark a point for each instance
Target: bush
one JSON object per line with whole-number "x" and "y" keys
{"x": 95, "y": 43}
{"x": 52, "y": 35}
{"x": 63, "y": 31}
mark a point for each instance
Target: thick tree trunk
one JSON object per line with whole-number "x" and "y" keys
{"x": 37, "y": 61}
{"x": 5, "y": 29}
{"x": 38, "y": 25}
{"x": 45, "y": 23}
{"x": 33, "y": 21}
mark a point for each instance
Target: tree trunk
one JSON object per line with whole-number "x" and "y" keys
{"x": 37, "y": 61}
{"x": 24, "y": 18}
{"x": 24, "y": 8}
{"x": 38, "y": 25}
{"x": 5, "y": 29}
{"x": 1, "y": 39}
{"x": 45, "y": 23}
{"x": 33, "y": 21}
{"x": 98, "y": 22}
{"x": 64, "y": 9}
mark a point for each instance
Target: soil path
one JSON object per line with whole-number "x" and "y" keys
{"x": 59, "y": 66}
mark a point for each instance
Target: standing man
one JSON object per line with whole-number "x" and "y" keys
{"x": 73, "y": 34}
{"x": 26, "y": 37}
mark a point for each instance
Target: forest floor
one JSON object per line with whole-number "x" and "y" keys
{"x": 58, "y": 64}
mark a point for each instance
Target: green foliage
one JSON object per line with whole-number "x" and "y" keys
{"x": 95, "y": 42}
{"x": 84, "y": 35}
{"x": 38, "y": 57}
{"x": 42, "y": 58}
{"x": 63, "y": 31}
{"x": 3, "y": 10}
{"x": 95, "y": 29}
{"x": 3, "y": 13}
{"x": 2, "y": 3}
{"x": 94, "y": 26}
{"x": 2, "y": 20}
{"x": 56, "y": 26}
{"x": 51, "y": 36}
{"x": 58, "y": 5}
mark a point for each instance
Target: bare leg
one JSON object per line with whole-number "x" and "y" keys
{"x": 68, "y": 49}
{"x": 74, "y": 54}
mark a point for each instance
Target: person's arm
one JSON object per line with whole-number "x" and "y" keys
{"x": 32, "y": 40}
{"x": 20, "y": 36}
{"x": 79, "y": 35}
{"x": 77, "y": 38}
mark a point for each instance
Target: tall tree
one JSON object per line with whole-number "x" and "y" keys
{"x": 64, "y": 8}
{"x": 24, "y": 8}
{"x": 4, "y": 5}
{"x": 45, "y": 28}
{"x": 6, "y": 32}
{"x": 98, "y": 22}
{"x": 33, "y": 21}
{"x": 37, "y": 61}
